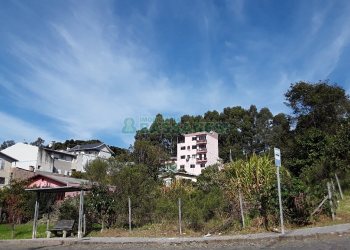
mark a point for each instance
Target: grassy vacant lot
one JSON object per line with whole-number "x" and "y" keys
{"x": 164, "y": 230}
{"x": 23, "y": 231}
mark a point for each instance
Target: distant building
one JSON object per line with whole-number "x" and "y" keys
{"x": 87, "y": 153}
{"x": 33, "y": 158}
{"x": 196, "y": 151}
{"x": 6, "y": 163}
{"x": 50, "y": 180}
{"x": 25, "y": 154}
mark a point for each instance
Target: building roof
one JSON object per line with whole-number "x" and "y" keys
{"x": 60, "y": 152}
{"x": 66, "y": 180}
{"x": 56, "y": 189}
{"x": 184, "y": 174}
{"x": 7, "y": 157}
{"x": 211, "y": 133}
{"x": 93, "y": 146}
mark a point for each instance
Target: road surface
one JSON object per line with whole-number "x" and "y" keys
{"x": 323, "y": 242}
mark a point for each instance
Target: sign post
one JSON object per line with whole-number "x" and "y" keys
{"x": 277, "y": 152}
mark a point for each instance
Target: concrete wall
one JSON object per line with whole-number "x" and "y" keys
{"x": 213, "y": 150}
{"x": 82, "y": 160}
{"x": 5, "y": 171}
{"x": 54, "y": 162}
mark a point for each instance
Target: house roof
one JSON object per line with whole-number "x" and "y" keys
{"x": 7, "y": 157}
{"x": 184, "y": 174}
{"x": 93, "y": 146}
{"x": 68, "y": 181}
{"x": 60, "y": 152}
{"x": 56, "y": 189}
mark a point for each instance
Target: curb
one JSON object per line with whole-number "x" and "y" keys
{"x": 299, "y": 234}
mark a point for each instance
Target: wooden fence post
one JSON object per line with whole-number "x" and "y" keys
{"x": 339, "y": 187}
{"x": 180, "y": 217}
{"x": 330, "y": 199}
{"x": 241, "y": 207}
{"x": 129, "y": 205}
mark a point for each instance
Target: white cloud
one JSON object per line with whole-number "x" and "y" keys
{"x": 89, "y": 76}
{"x": 90, "y": 70}
{"x": 16, "y": 129}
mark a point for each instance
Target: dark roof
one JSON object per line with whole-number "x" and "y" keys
{"x": 93, "y": 146}
{"x": 87, "y": 147}
{"x": 59, "y": 152}
{"x": 7, "y": 157}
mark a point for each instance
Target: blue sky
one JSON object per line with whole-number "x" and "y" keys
{"x": 78, "y": 69}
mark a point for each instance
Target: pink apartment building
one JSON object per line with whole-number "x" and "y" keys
{"x": 197, "y": 151}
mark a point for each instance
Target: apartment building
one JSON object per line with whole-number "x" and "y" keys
{"x": 196, "y": 151}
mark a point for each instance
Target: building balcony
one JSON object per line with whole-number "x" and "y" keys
{"x": 201, "y": 141}
{"x": 202, "y": 150}
{"x": 203, "y": 160}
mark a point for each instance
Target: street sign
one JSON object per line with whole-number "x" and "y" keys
{"x": 278, "y": 165}
{"x": 277, "y": 157}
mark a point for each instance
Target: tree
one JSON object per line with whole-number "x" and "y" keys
{"x": 72, "y": 143}
{"x": 17, "y": 203}
{"x": 97, "y": 171}
{"x": 152, "y": 156}
{"x": 39, "y": 142}
{"x": 320, "y": 105}
{"x": 7, "y": 144}
{"x": 99, "y": 204}
{"x": 319, "y": 110}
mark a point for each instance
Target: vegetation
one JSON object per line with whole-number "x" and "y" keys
{"x": 314, "y": 141}
{"x": 22, "y": 231}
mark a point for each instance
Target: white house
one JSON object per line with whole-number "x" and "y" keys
{"x": 25, "y": 154}
{"x": 34, "y": 158}
{"x": 87, "y": 153}
{"x": 197, "y": 151}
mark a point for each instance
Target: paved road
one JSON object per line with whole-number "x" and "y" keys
{"x": 324, "y": 242}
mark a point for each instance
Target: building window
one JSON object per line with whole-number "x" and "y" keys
{"x": 2, "y": 164}
{"x": 193, "y": 156}
{"x": 194, "y": 147}
{"x": 192, "y": 166}
{"x": 2, "y": 180}
{"x": 194, "y": 138}
{"x": 182, "y": 167}
{"x": 203, "y": 165}
{"x": 202, "y": 138}
{"x": 183, "y": 156}
{"x": 188, "y": 147}
{"x": 183, "y": 148}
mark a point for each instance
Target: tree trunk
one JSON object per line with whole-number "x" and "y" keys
{"x": 13, "y": 228}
